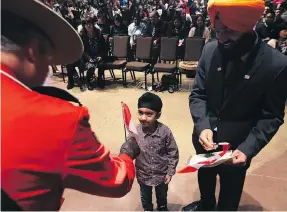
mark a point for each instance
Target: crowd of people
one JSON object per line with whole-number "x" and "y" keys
{"x": 154, "y": 18}
{"x": 272, "y": 28}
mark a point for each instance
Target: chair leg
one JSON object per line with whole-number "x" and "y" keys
{"x": 123, "y": 77}
{"x": 63, "y": 74}
{"x": 124, "y": 72}
{"x": 112, "y": 74}
{"x": 157, "y": 76}
{"x": 134, "y": 76}
{"x": 54, "y": 68}
{"x": 81, "y": 77}
{"x": 145, "y": 80}
{"x": 178, "y": 78}
{"x": 177, "y": 74}
{"x": 152, "y": 80}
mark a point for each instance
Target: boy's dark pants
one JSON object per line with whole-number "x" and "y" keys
{"x": 161, "y": 197}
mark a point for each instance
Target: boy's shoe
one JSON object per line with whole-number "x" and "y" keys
{"x": 90, "y": 86}
{"x": 82, "y": 88}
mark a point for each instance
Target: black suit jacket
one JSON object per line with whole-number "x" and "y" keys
{"x": 160, "y": 30}
{"x": 254, "y": 110}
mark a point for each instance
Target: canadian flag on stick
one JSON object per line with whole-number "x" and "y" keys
{"x": 129, "y": 124}
{"x": 208, "y": 160}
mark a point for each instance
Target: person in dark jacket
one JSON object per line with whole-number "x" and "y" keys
{"x": 238, "y": 97}
{"x": 157, "y": 29}
{"x": 103, "y": 22}
{"x": 265, "y": 29}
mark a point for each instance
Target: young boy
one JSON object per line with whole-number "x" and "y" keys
{"x": 158, "y": 158}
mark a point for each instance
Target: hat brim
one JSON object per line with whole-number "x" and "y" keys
{"x": 67, "y": 44}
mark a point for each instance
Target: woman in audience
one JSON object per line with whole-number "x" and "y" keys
{"x": 199, "y": 29}
{"x": 138, "y": 27}
{"x": 281, "y": 42}
{"x": 118, "y": 28}
{"x": 179, "y": 29}
{"x": 95, "y": 52}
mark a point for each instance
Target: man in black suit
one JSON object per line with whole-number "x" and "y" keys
{"x": 238, "y": 97}
{"x": 157, "y": 29}
{"x": 265, "y": 29}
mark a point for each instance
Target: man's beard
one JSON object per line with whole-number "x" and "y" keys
{"x": 232, "y": 49}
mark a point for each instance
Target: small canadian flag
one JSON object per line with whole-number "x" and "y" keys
{"x": 198, "y": 161}
{"x": 130, "y": 125}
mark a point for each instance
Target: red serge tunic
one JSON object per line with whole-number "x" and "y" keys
{"x": 48, "y": 145}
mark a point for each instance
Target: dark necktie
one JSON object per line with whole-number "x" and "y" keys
{"x": 230, "y": 75}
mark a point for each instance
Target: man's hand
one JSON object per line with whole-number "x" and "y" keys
{"x": 167, "y": 179}
{"x": 131, "y": 148}
{"x": 238, "y": 157}
{"x": 206, "y": 139}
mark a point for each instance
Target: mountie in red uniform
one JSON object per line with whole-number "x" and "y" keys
{"x": 48, "y": 145}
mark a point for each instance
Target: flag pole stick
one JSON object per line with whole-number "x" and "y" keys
{"x": 124, "y": 121}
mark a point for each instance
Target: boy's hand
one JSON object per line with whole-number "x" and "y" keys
{"x": 167, "y": 179}
{"x": 131, "y": 148}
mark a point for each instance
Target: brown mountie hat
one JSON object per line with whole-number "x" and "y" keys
{"x": 67, "y": 44}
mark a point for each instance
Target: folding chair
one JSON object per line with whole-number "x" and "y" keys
{"x": 143, "y": 53}
{"x": 193, "y": 50}
{"x": 168, "y": 53}
{"x": 120, "y": 52}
